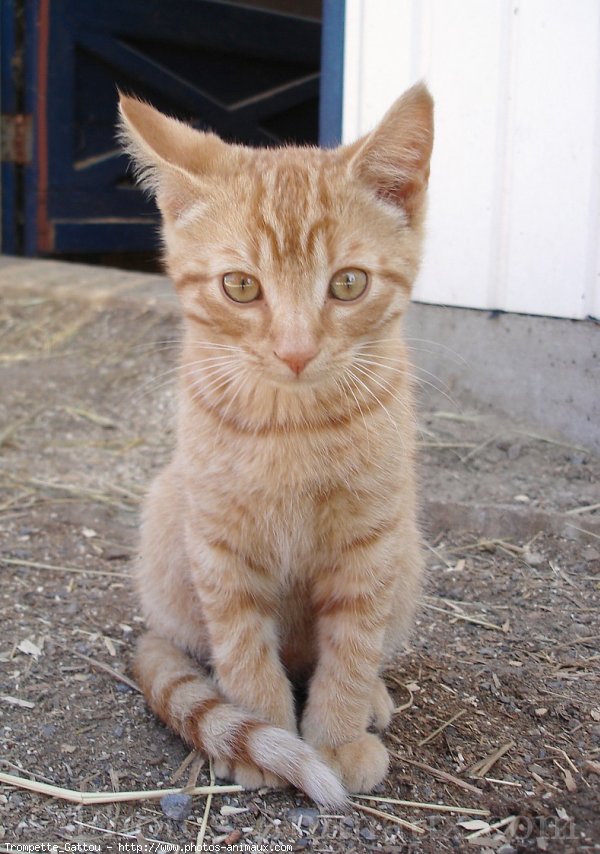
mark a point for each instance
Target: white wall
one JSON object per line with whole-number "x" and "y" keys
{"x": 514, "y": 217}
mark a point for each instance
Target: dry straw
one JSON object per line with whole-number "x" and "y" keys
{"x": 109, "y": 797}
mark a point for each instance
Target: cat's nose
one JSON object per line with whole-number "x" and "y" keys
{"x": 297, "y": 358}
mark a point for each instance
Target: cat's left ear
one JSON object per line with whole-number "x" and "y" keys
{"x": 393, "y": 160}
{"x": 172, "y": 160}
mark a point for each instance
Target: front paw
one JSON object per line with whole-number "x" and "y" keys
{"x": 382, "y": 706}
{"x": 248, "y": 775}
{"x": 361, "y": 764}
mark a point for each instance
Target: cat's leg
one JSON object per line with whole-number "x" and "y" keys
{"x": 382, "y": 706}
{"x": 176, "y": 606}
{"x": 244, "y": 651}
{"x": 201, "y": 591}
{"x": 352, "y": 605}
{"x": 336, "y": 718}
{"x": 239, "y": 612}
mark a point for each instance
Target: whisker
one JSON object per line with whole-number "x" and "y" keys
{"x": 381, "y": 404}
{"x": 382, "y": 383}
{"x": 343, "y": 391}
{"x": 199, "y": 363}
{"x": 188, "y": 368}
{"x": 357, "y": 384}
{"x": 374, "y": 361}
{"x": 240, "y": 378}
{"x": 148, "y": 345}
{"x": 370, "y": 391}
{"x": 441, "y": 346}
{"x": 152, "y": 385}
{"x": 406, "y": 364}
{"x": 403, "y": 362}
{"x": 210, "y": 344}
{"x": 419, "y": 381}
{"x": 407, "y": 340}
{"x": 213, "y": 385}
{"x": 444, "y": 389}
{"x": 170, "y": 383}
{"x": 408, "y": 410}
{"x": 178, "y": 343}
{"x": 398, "y": 339}
{"x": 346, "y": 380}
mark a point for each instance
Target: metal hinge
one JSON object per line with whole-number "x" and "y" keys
{"x": 15, "y": 139}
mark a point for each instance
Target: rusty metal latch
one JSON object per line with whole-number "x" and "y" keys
{"x": 15, "y": 139}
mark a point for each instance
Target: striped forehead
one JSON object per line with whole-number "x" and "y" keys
{"x": 293, "y": 219}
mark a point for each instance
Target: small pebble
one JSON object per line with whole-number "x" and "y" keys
{"x": 115, "y": 553}
{"x": 118, "y": 731}
{"x": 367, "y": 834}
{"x": 484, "y": 650}
{"x": 48, "y": 730}
{"x": 514, "y": 451}
{"x": 307, "y": 816}
{"x": 580, "y": 629}
{"x": 507, "y": 849}
{"x": 178, "y": 807}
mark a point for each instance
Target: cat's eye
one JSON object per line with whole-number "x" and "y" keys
{"x": 241, "y": 287}
{"x": 348, "y": 284}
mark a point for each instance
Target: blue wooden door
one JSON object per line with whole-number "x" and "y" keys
{"x": 13, "y": 155}
{"x": 250, "y": 74}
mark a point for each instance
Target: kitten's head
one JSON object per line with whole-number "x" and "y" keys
{"x": 288, "y": 261}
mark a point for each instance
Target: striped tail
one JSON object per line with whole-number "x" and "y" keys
{"x": 187, "y": 700}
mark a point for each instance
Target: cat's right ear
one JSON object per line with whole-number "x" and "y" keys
{"x": 393, "y": 160}
{"x": 170, "y": 157}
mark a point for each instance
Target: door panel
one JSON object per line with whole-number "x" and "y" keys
{"x": 249, "y": 74}
{"x": 10, "y": 74}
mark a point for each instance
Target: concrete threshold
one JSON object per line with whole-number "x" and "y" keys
{"x": 541, "y": 371}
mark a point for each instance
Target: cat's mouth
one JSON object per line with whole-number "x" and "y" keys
{"x": 298, "y": 381}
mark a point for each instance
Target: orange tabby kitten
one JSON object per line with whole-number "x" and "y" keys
{"x": 279, "y": 548}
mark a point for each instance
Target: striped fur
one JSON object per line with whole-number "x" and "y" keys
{"x": 279, "y": 548}
{"x": 190, "y": 703}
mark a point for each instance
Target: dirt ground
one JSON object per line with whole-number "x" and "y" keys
{"x": 498, "y": 699}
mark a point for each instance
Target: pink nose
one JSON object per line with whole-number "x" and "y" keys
{"x": 297, "y": 359}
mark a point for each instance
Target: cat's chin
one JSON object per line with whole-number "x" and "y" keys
{"x": 298, "y": 382}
